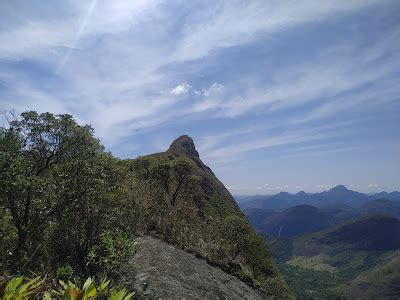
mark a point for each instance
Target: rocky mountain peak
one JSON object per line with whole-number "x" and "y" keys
{"x": 338, "y": 188}
{"x": 184, "y": 146}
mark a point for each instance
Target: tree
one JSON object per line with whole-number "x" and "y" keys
{"x": 41, "y": 157}
{"x": 98, "y": 211}
{"x": 173, "y": 176}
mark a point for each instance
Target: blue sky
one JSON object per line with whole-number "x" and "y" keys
{"x": 277, "y": 95}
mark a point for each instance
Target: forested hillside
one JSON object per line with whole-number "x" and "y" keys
{"x": 71, "y": 210}
{"x": 358, "y": 258}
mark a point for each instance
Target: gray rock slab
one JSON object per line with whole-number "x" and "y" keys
{"x": 161, "y": 271}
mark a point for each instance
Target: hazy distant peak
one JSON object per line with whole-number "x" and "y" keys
{"x": 338, "y": 188}
{"x": 184, "y": 146}
{"x": 301, "y": 193}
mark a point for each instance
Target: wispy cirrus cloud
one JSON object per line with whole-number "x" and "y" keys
{"x": 247, "y": 20}
{"x": 240, "y": 77}
{"x": 29, "y": 35}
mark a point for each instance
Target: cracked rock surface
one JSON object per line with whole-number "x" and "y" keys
{"x": 159, "y": 270}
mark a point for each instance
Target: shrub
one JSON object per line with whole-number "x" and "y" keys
{"x": 65, "y": 272}
{"x": 110, "y": 253}
{"x": 15, "y": 289}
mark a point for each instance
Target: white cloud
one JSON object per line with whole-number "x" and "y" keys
{"x": 181, "y": 89}
{"x": 247, "y": 19}
{"x": 115, "y": 16}
{"x": 221, "y": 25}
{"x": 214, "y": 88}
{"x": 232, "y": 152}
{"x": 211, "y": 141}
{"x": 313, "y": 81}
{"x": 39, "y": 37}
{"x": 210, "y": 99}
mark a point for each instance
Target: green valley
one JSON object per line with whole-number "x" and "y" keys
{"x": 352, "y": 259}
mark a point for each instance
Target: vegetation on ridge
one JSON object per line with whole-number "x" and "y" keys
{"x": 70, "y": 209}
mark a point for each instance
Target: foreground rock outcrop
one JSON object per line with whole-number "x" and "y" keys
{"x": 159, "y": 270}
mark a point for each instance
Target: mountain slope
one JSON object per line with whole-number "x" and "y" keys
{"x": 381, "y": 206}
{"x": 183, "y": 203}
{"x": 294, "y": 221}
{"x": 371, "y": 233}
{"x": 351, "y": 260}
{"x": 258, "y": 216}
{"x": 341, "y": 212}
{"x": 378, "y": 282}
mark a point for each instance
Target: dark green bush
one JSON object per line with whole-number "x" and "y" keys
{"x": 108, "y": 255}
{"x": 65, "y": 272}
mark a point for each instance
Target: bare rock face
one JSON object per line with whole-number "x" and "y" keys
{"x": 184, "y": 146}
{"x": 159, "y": 270}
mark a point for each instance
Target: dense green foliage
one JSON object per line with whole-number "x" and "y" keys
{"x": 312, "y": 281}
{"x": 20, "y": 288}
{"x": 378, "y": 282}
{"x": 309, "y": 284}
{"x": 358, "y": 274}
{"x": 58, "y": 190}
{"x": 71, "y": 210}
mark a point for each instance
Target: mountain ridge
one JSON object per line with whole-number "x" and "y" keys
{"x": 336, "y": 195}
{"x": 184, "y": 204}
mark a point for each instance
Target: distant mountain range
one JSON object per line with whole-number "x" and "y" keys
{"x": 335, "y": 244}
{"x": 301, "y": 219}
{"x": 337, "y": 195}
